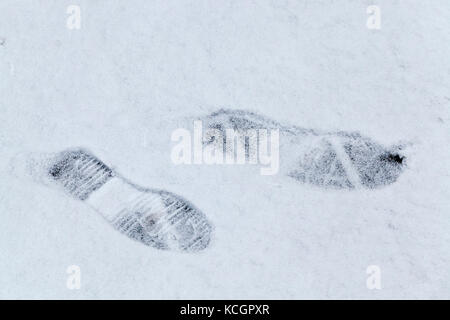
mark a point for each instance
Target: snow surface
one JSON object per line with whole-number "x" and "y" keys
{"x": 137, "y": 70}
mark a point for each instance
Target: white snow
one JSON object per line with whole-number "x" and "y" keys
{"x": 137, "y": 70}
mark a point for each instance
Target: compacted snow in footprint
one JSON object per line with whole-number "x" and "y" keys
{"x": 327, "y": 159}
{"x": 362, "y": 190}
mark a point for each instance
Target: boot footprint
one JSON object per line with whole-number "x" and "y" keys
{"x": 156, "y": 218}
{"x": 326, "y": 159}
